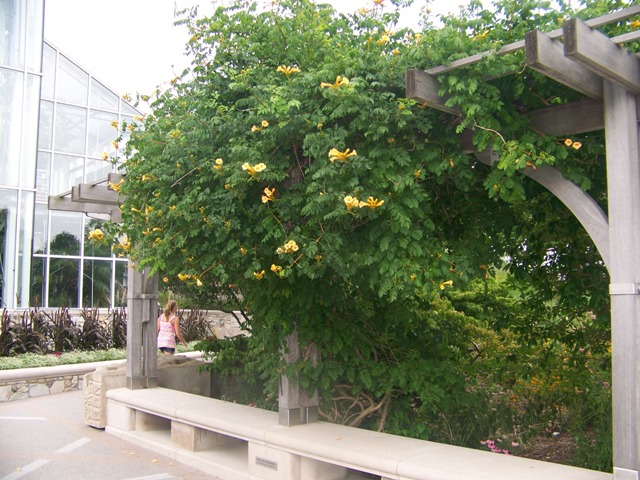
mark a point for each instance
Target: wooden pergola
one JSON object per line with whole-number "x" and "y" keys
{"x": 608, "y": 76}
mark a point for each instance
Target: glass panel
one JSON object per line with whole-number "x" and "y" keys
{"x": 96, "y": 283}
{"x": 35, "y": 14}
{"x": 12, "y": 38}
{"x": 45, "y": 130}
{"x": 63, "y": 282}
{"x": 38, "y": 274}
{"x": 11, "y": 92}
{"x": 40, "y": 222}
{"x": 25, "y": 235}
{"x": 91, "y": 249}
{"x": 30, "y": 132}
{"x": 66, "y": 229}
{"x": 120, "y": 287}
{"x": 70, "y": 129}
{"x": 97, "y": 170}
{"x": 48, "y": 71}
{"x": 72, "y": 83}
{"x": 128, "y": 109}
{"x": 42, "y": 176}
{"x": 102, "y": 97}
{"x": 66, "y": 172}
{"x": 8, "y": 237}
{"x": 101, "y": 134}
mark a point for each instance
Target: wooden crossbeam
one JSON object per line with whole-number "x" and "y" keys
{"x": 569, "y": 119}
{"x": 87, "y": 192}
{"x": 546, "y": 56}
{"x": 612, "y": 17}
{"x": 599, "y": 54}
{"x": 424, "y": 87}
{"x": 115, "y": 178}
{"x": 68, "y": 205}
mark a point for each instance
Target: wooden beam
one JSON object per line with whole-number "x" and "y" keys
{"x": 115, "y": 178}
{"x": 569, "y": 119}
{"x": 613, "y": 17}
{"x": 87, "y": 192}
{"x": 626, "y": 38}
{"x": 68, "y": 205}
{"x": 546, "y": 56}
{"x": 65, "y": 204}
{"x": 600, "y": 55}
{"x": 423, "y": 88}
{"x": 623, "y": 188}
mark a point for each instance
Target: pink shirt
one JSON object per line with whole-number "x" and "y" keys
{"x": 166, "y": 332}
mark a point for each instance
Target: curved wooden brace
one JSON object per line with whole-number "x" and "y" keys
{"x": 581, "y": 204}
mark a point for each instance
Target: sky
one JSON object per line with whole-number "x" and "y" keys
{"x": 132, "y": 46}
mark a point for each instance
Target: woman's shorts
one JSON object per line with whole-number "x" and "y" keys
{"x": 167, "y": 350}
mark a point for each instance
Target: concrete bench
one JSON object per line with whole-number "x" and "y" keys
{"x": 240, "y": 442}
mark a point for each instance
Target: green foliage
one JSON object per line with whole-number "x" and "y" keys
{"x": 32, "y": 360}
{"x": 287, "y": 166}
{"x": 245, "y": 373}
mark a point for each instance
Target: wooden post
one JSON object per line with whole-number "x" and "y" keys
{"x": 295, "y": 406}
{"x": 623, "y": 178}
{"x": 289, "y": 393}
{"x": 142, "y": 305}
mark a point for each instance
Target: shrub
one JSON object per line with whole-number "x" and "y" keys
{"x": 95, "y": 332}
{"x": 195, "y": 326}
{"x": 118, "y": 327}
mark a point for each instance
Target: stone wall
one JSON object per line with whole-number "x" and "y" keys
{"x": 36, "y": 387}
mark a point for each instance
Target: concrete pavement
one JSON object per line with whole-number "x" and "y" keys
{"x": 46, "y": 438}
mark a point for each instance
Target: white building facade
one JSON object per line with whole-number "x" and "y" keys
{"x": 55, "y": 132}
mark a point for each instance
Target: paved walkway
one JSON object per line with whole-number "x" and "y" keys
{"x": 45, "y": 437}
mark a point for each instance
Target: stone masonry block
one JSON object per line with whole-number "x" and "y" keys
{"x": 266, "y": 463}
{"x": 38, "y": 389}
{"x": 311, "y": 469}
{"x": 121, "y": 417}
{"x": 197, "y": 439}
{"x": 145, "y": 422}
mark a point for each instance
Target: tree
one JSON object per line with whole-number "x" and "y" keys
{"x": 287, "y": 165}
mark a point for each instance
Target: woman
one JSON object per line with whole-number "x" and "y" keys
{"x": 169, "y": 328}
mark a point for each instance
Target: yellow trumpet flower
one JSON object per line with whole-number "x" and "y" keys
{"x": 258, "y": 275}
{"x": 287, "y": 70}
{"x": 96, "y": 235}
{"x": 371, "y": 202}
{"x": 340, "y": 81}
{"x": 444, "y": 284}
{"x": 268, "y": 195}
{"x": 335, "y": 154}
{"x": 351, "y": 202}
{"x": 252, "y": 170}
{"x": 276, "y": 268}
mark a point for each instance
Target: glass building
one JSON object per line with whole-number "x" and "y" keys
{"x": 55, "y": 132}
